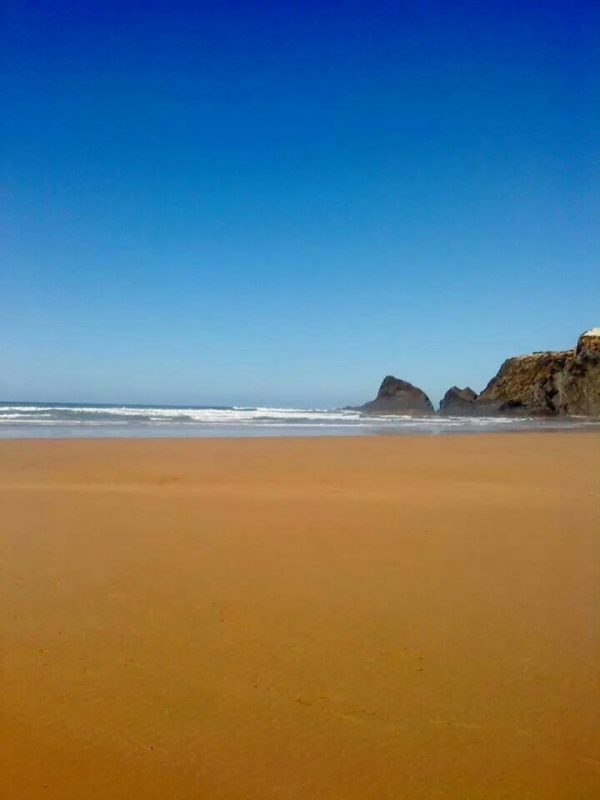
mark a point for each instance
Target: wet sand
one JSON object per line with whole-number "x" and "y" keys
{"x": 301, "y": 618}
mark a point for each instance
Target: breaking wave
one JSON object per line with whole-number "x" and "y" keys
{"x": 68, "y": 419}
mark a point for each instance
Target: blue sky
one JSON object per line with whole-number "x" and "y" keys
{"x": 281, "y": 202}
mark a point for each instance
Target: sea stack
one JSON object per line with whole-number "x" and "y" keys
{"x": 458, "y": 402}
{"x": 396, "y": 396}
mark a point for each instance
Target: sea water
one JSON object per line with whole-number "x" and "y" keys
{"x": 78, "y": 420}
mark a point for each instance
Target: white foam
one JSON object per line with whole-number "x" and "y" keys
{"x": 23, "y": 420}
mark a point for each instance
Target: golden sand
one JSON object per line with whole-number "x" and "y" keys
{"x": 326, "y": 618}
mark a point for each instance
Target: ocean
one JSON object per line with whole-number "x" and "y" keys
{"x": 82, "y": 420}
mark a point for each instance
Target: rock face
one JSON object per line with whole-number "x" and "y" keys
{"x": 398, "y": 397}
{"x": 589, "y": 342}
{"x": 458, "y": 402}
{"x": 565, "y": 382}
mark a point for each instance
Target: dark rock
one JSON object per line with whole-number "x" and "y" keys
{"x": 398, "y": 397}
{"x": 565, "y": 382}
{"x": 458, "y": 402}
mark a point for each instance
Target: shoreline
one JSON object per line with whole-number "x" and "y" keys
{"x": 68, "y": 421}
{"x": 530, "y": 427}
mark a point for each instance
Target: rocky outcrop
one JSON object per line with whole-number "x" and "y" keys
{"x": 589, "y": 343}
{"x": 398, "y": 397}
{"x": 458, "y": 402}
{"x": 559, "y": 382}
{"x": 564, "y": 382}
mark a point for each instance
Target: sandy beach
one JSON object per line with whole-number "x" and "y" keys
{"x": 378, "y": 617}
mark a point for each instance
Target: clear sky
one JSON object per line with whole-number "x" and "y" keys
{"x": 281, "y": 202}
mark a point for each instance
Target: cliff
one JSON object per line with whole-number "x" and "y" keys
{"x": 565, "y": 382}
{"x": 396, "y": 396}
